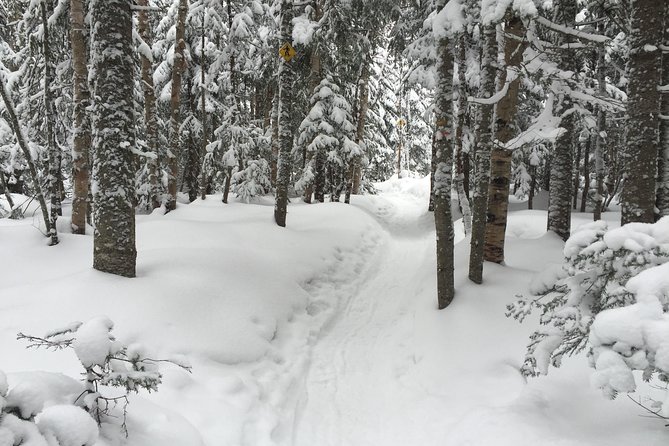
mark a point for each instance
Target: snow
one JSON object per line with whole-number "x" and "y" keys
{"x": 92, "y": 342}
{"x": 68, "y": 425}
{"x": 321, "y": 333}
{"x": 449, "y": 21}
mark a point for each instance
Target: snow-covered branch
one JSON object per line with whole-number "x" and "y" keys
{"x": 571, "y": 31}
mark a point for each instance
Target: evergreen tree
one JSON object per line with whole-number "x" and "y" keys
{"x": 113, "y": 137}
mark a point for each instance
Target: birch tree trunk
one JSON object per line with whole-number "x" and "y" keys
{"x": 443, "y": 147}
{"x": 82, "y": 126}
{"x": 482, "y": 172}
{"x": 285, "y": 111}
{"x": 150, "y": 118}
{"x": 562, "y": 170}
{"x": 500, "y": 170}
{"x": 643, "y": 106}
{"x": 113, "y": 138}
{"x": 55, "y": 158}
{"x": 175, "y": 104}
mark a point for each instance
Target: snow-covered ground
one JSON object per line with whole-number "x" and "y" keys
{"x": 324, "y": 333}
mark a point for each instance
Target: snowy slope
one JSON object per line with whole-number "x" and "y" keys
{"x": 322, "y": 333}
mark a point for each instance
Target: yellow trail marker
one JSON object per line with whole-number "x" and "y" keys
{"x": 401, "y": 122}
{"x": 287, "y": 52}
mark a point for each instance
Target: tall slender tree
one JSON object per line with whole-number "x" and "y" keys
{"x": 82, "y": 126}
{"x": 175, "y": 104}
{"x": 443, "y": 176}
{"x": 482, "y": 175}
{"x": 285, "y": 109}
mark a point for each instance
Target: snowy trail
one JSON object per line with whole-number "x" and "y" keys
{"x": 358, "y": 367}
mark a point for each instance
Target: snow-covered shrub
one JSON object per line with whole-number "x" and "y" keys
{"x": 252, "y": 181}
{"x": 107, "y": 363}
{"x": 25, "y": 421}
{"x": 635, "y": 337}
{"x": 592, "y": 285}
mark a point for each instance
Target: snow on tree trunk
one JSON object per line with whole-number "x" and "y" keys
{"x": 363, "y": 106}
{"x": 482, "y": 172}
{"x": 315, "y": 78}
{"x": 203, "y": 114}
{"x": 443, "y": 147}
{"x": 81, "y": 139}
{"x": 23, "y": 144}
{"x": 175, "y": 104}
{"x": 561, "y": 173}
{"x": 463, "y": 199}
{"x": 600, "y": 170}
{"x": 586, "y": 173}
{"x": 54, "y": 178}
{"x": 500, "y": 170}
{"x": 285, "y": 111}
{"x": 113, "y": 137}
{"x": 150, "y": 118}
{"x": 662, "y": 201}
{"x": 643, "y": 106}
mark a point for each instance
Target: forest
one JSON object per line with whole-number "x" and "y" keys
{"x": 334, "y": 222}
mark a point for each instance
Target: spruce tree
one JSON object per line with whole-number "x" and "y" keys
{"x": 113, "y": 137}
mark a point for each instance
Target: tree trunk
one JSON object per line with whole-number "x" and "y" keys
{"x": 576, "y": 173}
{"x": 175, "y": 103}
{"x": 600, "y": 171}
{"x": 562, "y": 165}
{"x": 203, "y": 114}
{"x": 500, "y": 172}
{"x": 443, "y": 147}
{"x": 150, "y": 118}
{"x": 113, "y": 138}
{"x": 363, "y": 106}
{"x": 586, "y": 174}
{"x": 275, "y": 138}
{"x": 662, "y": 201}
{"x": 285, "y": 112}
{"x": 463, "y": 200}
{"x": 482, "y": 172}
{"x": 82, "y": 126}
{"x": 643, "y": 106}
{"x": 315, "y": 78}
{"x": 54, "y": 178}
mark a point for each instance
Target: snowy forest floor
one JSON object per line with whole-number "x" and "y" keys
{"x": 324, "y": 333}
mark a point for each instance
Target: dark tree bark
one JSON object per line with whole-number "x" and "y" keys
{"x": 285, "y": 110}
{"x": 175, "y": 104}
{"x": 600, "y": 170}
{"x": 82, "y": 126}
{"x": 113, "y": 138}
{"x": 643, "y": 106}
{"x": 562, "y": 171}
{"x": 586, "y": 173}
{"x": 150, "y": 117}
{"x": 662, "y": 201}
{"x": 55, "y": 157}
{"x": 485, "y": 146}
{"x": 443, "y": 147}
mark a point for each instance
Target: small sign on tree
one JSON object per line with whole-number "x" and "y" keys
{"x": 287, "y": 52}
